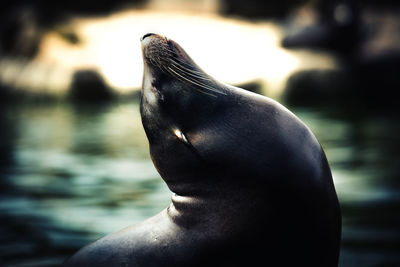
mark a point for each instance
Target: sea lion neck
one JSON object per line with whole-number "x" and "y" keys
{"x": 212, "y": 209}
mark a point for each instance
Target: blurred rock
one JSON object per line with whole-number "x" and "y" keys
{"x": 381, "y": 3}
{"x": 368, "y": 78}
{"x": 22, "y": 22}
{"x": 258, "y": 9}
{"x": 20, "y": 33}
{"x": 324, "y": 35}
{"x": 382, "y": 38}
{"x": 69, "y": 35}
{"x": 51, "y": 11}
{"x": 378, "y": 79}
{"x": 335, "y": 26}
{"x": 89, "y": 86}
{"x": 369, "y": 85}
{"x": 87, "y": 7}
{"x": 318, "y": 87}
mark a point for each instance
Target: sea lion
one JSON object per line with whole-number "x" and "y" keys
{"x": 251, "y": 184}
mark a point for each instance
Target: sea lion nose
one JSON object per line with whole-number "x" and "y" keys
{"x": 146, "y": 35}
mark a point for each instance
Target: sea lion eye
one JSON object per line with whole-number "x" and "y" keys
{"x": 181, "y": 136}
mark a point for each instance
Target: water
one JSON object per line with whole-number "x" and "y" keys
{"x": 71, "y": 174}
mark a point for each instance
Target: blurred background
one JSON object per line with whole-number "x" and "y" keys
{"x": 74, "y": 161}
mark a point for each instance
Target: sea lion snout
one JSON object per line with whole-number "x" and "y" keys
{"x": 146, "y": 35}
{"x": 153, "y": 37}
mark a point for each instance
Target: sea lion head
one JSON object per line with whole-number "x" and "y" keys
{"x": 170, "y": 76}
{"x": 178, "y": 100}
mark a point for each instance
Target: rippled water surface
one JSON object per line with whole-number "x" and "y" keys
{"x": 71, "y": 174}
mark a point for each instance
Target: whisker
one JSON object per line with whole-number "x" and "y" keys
{"x": 186, "y": 68}
{"x": 181, "y": 62}
{"x": 177, "y": 59}
{"x": 188, "y": 72}
{"x": 193, "y": 81}
{"x": 196, "y": 83}
{"x": 170, "y": 62}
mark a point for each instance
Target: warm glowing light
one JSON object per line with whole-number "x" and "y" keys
{"x": 231, "y": 50}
